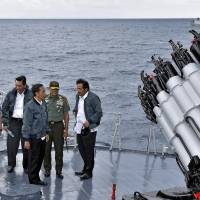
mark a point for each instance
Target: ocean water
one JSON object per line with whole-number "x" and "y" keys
{"x": 108, "y": 53}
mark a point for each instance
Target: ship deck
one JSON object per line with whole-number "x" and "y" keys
{"x": 130, "y": 170}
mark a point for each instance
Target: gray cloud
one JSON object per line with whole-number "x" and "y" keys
{"x": 98, "y": 8}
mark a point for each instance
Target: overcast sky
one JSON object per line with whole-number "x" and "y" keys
{"x": 99, "y": 8}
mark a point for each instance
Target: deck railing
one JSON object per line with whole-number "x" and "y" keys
{"x": 116, "y": 139}
{"x": 72, "y": 142}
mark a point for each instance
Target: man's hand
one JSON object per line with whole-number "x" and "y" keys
{"x": 65, "y": 133}
{"x": 27, "y": 145}
{"x": 5, "y": 128}
{"x": 86, "y": 124}
{"x": 1, "y": 127}
{"x": 47, "y": 138}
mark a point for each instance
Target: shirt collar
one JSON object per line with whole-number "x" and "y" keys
{"x": 20, "y": 94}
{"x": 40, "y": 102}
{"x": 84, "y": 97}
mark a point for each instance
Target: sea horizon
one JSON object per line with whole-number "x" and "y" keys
{"x": 156, "y": 18}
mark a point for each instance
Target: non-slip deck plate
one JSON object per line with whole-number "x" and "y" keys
{"x": 130, "y": 171}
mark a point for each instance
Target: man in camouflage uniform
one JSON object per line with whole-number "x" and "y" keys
{"x": 58, "y": 117}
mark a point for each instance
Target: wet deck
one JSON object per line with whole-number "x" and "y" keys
{"x": 130, "y": 171}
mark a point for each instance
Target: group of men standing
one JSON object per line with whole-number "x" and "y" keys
{"x": 38, "y": 120}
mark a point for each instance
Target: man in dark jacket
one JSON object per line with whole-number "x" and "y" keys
{"x": 12, "y": 115}
{"x": 88, "y": 114}
{"x": 35, "y": 132}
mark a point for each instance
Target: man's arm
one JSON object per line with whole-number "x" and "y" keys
{"x": 5, "y": 111}
{"x": 75, "y": 107}
{"x": 66, "y": 123}
{"x": 98, "y": 111}
{"x": 47, "y": 121}
{"x": 27, "y": 123}
{"x": 66, "y": 118}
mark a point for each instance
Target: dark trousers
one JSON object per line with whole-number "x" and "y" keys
{"x": 86, "y": 145}
{"x": 15, "y": 126}
{"x": 35, "y": 159}
{"x": 56, "y": 137}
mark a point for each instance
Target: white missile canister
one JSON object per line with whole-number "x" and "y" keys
{"x": 173, "y": 114}
{"x": 192, "y": 73}
{"x": 171, "y": 137}
{"x": 191, "y": 91}
{"x": 185, "y": 100}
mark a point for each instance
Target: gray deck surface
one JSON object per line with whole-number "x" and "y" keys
{"x": 130, "y": 171}
{"x": 153, "y": 195}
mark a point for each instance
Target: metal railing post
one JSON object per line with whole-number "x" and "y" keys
{"x": 152, "y": 137}
{"x": 116, "y": 132}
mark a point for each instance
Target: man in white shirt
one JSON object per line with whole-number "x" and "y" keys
{"x": 88, "y": 114}
{"x": 19, "y": 106}
{"x": 12, "y": 115}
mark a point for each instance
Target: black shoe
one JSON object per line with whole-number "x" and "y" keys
{"x": 11, "y": 169}
{"x": 85, "y": 177}
{"x": 47, "y": 173}
{"x": 26, "y": 171}
{"x": 79, "y": 173}
{"x": 42, "y": 183}
{"x": 59, "y": 175}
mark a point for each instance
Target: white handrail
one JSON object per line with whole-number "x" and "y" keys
{"x": 116, "y": 134}
{"x": 152, "y": 138}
